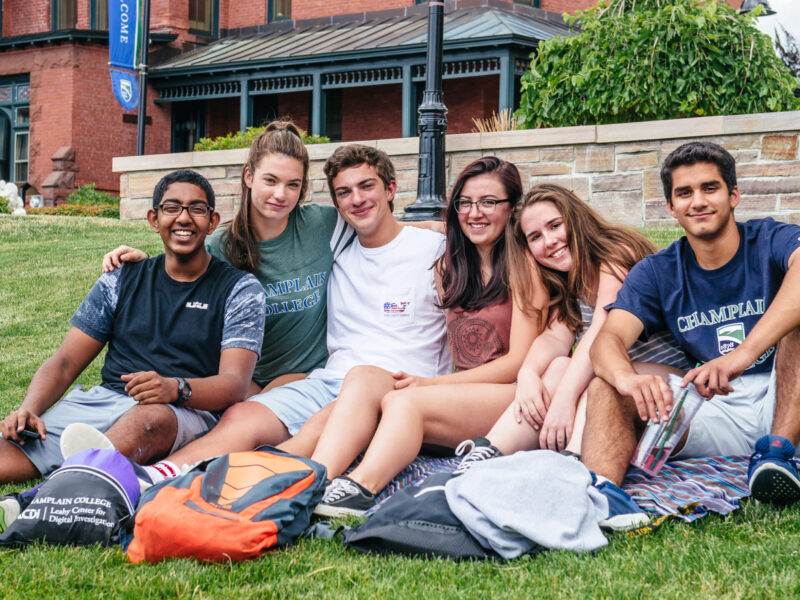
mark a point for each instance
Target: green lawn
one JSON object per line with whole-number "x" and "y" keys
{"x": 47, "y": 265}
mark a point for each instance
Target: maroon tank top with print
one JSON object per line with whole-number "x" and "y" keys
{"x": 477, "y": 337}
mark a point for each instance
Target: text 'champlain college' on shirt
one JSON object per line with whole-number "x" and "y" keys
{"x": 296, "y": 285}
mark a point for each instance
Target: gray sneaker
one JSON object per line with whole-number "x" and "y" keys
{"x": 9, "y": 511}
{"x": 479, "y": 450}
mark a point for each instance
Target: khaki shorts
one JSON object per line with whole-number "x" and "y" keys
{"x": 730, "y": 425}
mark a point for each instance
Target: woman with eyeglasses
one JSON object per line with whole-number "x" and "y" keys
{"x": 490, "y": 327}
{"x": 583, "y": 261}
{"x": 287, "y": 244}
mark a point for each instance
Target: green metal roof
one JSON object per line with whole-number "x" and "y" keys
{"x": 380, "y": 37}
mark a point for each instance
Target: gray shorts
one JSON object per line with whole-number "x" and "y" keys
{"x": 100, "y": 407}
{"x": 295, "y": 403}
{"x": 730, "y": 425}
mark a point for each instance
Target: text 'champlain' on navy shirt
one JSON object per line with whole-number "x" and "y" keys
{"x": 710, "y": 312}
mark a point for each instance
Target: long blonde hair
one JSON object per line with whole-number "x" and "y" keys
{"x": 592, "y": 241}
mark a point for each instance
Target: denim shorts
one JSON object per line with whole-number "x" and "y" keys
{"x": 295, "y": 403}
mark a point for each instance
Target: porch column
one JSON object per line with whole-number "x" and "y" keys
{"x": 409, "y": 103}
{"x": 245, "y": 105}
{"x": 317, "y": 106}
{"x": 506, "y": 99}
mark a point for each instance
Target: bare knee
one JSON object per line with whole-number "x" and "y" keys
{"x": 15, "y": 466}
{"x": 145, "y": 432}
{"x": 253, "y": 423}
{"x": 243, "y": 417}
{"x": 362, "y": 372}
{"x": 394, "y": 399}
{"x": 557, "y": 366}
{"x": 155, "y": 421}
{"x": 402, "y": 405}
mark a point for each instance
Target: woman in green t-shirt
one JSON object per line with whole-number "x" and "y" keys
{"x": 288, "y": 245}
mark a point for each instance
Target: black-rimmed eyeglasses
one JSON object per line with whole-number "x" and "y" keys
{"x": 485, "y": 205}
{"x": 196, "y": 209}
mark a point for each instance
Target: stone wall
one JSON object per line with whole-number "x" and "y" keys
{"x": 614, "y": 167}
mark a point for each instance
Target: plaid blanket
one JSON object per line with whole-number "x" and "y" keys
{"x": 713, "y": 484}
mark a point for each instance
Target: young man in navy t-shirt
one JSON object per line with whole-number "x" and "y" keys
{"x": 183, "y": 331}
{"x": 730, "y": 294}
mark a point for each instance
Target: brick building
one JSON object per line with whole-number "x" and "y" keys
{"x": 60, "y": 124}
{"x": 352, "y": 69}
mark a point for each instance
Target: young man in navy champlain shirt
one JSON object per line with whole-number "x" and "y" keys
{"x": 183, "y": 330}
{"x": 730, "y": 294}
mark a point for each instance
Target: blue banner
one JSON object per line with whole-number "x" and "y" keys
{"x": 124, "y": 33}
{"x": 125, "y": 88}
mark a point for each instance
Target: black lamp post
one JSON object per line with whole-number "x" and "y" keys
{"x": 431, "y": 129}
{"x": 749, "y": 5}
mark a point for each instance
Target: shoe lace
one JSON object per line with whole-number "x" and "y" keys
{"x": 464, "y": 447}
{"x": 337, "y": 490}
{"x": 475, "y": 454}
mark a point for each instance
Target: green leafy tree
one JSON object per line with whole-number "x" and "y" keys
{"x": 640, "y": 60}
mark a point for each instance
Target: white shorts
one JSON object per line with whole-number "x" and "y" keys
{"x": 730, "y": 425}
{"x": 295, "y": 403}
{"x": 100, "y": 407}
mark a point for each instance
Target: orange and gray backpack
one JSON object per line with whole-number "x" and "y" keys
{"x": 232, "y": 508}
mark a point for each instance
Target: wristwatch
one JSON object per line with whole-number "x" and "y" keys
{"x": 184, "y": 392}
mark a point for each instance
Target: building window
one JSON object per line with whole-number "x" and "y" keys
{"x": 188, "y": 125}
{"x": 99, "y": 15}
{"x": 5, "y": 149}
{"x": 265, "y": 109}
{"x": 202, "y": 15}
{"x": 533, "y": 3}
{"x": 21, "y": 156}
{"x": 279, "y": 10}
{"x": 333, "y": 115}
{"x": 15, "y": 93}
{"x": 65, "y": 14}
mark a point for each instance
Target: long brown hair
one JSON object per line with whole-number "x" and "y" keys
{"x": 592, "y": 241}
{"x": 238, "y": 241}
{"x": 460, "y": 265}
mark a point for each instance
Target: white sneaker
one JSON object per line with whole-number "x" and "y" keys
{"x": 9, "y": 511}
{"x": 80, "y": 436}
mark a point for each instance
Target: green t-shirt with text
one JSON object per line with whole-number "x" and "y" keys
{"x": 294, "y": 272}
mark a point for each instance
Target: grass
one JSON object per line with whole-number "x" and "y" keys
{"x": 47, "y": 265}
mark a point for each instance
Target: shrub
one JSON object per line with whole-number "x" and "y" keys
{"x": 86, "y": 195}
{"x": 639, "y": 60}
{"x": 243, "y": 139}
{"x": 4, "y": 206}
{"x": 110, "y": 211}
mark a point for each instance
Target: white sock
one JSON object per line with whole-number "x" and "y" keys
{"x": 161, "y": 470}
